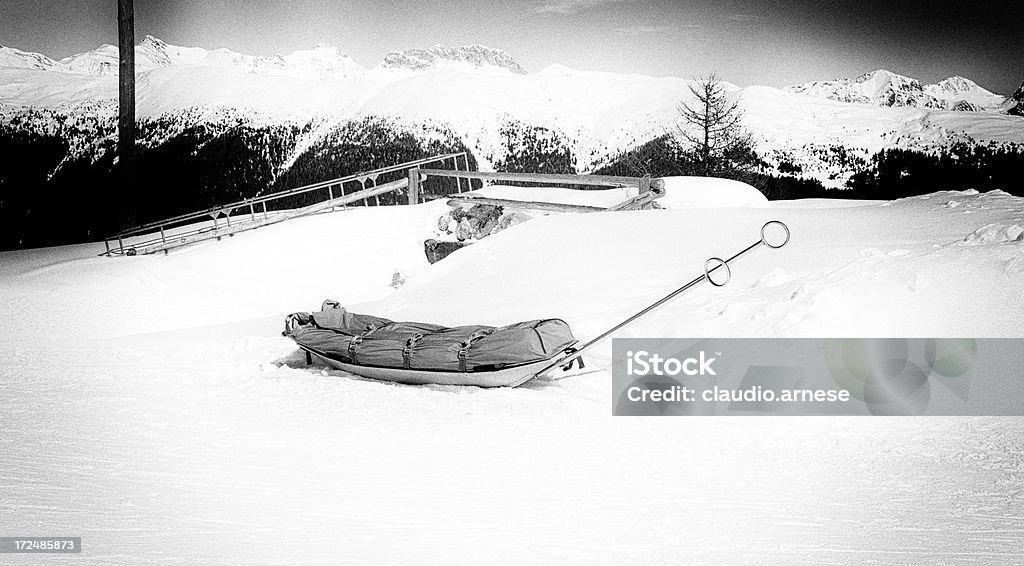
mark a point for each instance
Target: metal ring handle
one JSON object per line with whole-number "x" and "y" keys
{"x": 707, "y": 272}
{"x": 764, "y": 240}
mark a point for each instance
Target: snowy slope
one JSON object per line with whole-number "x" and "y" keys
{"x": 598, "y": 197}
{"x": 710, "y": 192}
{"x": 680, "y": 192}
{"x": 140, "y": 408}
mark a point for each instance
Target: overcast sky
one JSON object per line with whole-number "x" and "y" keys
{"x": 769, "y": 42}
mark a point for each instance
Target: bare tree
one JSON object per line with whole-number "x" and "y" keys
{"x": 710, "y": 130}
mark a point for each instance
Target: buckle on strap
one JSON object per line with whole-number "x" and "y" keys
{"x": 464, "y": 348}
{"x": 407, "y": 351}
{"x": 353, "y": 343}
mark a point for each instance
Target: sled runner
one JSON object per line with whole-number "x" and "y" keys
{"x": 507, "y": 377}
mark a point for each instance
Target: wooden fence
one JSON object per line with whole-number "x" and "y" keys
{"x": 215, "y": 223}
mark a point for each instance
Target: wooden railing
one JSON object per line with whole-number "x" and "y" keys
{"x": 648, "y": 189}
{"x": 216, "y": 222}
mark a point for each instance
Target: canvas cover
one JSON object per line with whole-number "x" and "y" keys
{"x": 366, "y": 340}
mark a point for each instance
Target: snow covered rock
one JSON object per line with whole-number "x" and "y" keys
{"x": 1015, "y": 104}
{"x": 476, "y": 222}
{"x": 965, "y": 106}
{"x": 436, "y": 250}
{"x": 996, "y": 233}
{"x": 441, "y": 57}
{"x": 709, "y": 192}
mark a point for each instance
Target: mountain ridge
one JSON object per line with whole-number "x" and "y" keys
{"x": 885, "y": 88}
{"x": 322, "y": 62}
{"x": 327, "y": 62}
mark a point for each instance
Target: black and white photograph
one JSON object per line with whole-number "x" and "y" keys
{"x": 511, "y": 282}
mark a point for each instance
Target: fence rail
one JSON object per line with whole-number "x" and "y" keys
{"x": 553, "y": 178}
{"x": 648, "y": 189}
{"x": 216, "y": 222}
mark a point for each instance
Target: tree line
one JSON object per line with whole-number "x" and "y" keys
{"x": 708, "y": 139}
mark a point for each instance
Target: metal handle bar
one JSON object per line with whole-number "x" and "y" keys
{"x": 704, "y": 276}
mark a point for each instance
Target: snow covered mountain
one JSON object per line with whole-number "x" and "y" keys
{"x": 885, "y": 88}
{"x": 221, "y": 107}
{"x": 592, "y": 115}
{"x": 18, "y": 59}
{"x": 958, "y": 90}
{"x": 477, "y": 57}
{"x": 320, "y": 63}
{"x": 324, "y": 62}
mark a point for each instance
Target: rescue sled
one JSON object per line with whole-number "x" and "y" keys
{"x": 420, "y": 353}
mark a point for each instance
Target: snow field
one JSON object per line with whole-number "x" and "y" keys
{"x": 142, "y": 407}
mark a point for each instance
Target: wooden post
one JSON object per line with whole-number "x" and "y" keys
{"x": 126, "y": 110}
{"x": 414, "y": 185}
{"x": 366, "y": 201}
{"x": 469, "y": 182}
{"x": 645, "y": 187}
{"x": 457, "y": 168}
{"x": 645, "y": 184}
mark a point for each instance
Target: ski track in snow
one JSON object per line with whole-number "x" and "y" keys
{"x": 142, "y": 408}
